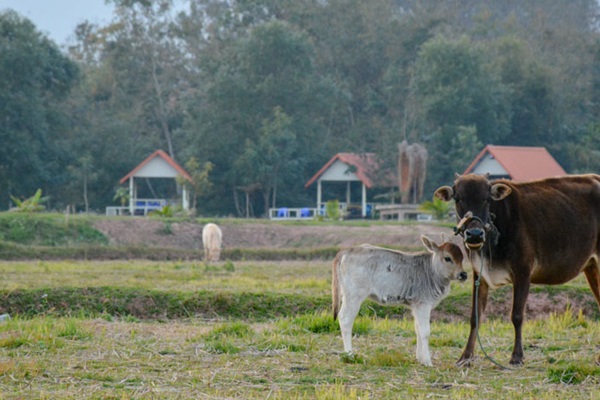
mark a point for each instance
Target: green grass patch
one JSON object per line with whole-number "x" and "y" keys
{"x": 48, "y": 230}
{"x": 573, "y": 374}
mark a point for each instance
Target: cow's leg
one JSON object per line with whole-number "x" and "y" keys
{"x": 422, "y": 316}
{"x": 348, "y": 312}
{"x": 593, "y": 277}
{"x": 479, "y": 302}
{"x": 520, "y": 293}
{"x": 592, "y": 274}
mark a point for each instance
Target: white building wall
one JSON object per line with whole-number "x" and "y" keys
{"x": 488, "y": 164}
{"x": 338, "y": 171}
{"x": 156, "y": 168}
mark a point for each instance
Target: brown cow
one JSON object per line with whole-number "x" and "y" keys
{"x": 544, "y": 231}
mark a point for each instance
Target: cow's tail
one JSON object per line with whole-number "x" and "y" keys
{"x": 335, "y": 286}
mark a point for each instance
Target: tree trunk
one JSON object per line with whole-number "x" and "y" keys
{"x": 85, "y": 193}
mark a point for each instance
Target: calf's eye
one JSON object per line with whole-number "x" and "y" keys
{"x": 447, "y": 259}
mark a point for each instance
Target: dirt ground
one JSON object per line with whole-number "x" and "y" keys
{"x": 188, "y": 235}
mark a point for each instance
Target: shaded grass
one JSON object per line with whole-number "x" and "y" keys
{"x": 164, "y": 305}
{"x": 14, "y": 251}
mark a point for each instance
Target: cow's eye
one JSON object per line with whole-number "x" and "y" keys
{"x": 447, "y": 259}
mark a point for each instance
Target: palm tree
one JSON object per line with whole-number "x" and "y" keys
{"x": 438, "y": 208}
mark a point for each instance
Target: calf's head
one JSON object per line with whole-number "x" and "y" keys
{"x": 447, "y": 259}
{"x": 472, "y": 195}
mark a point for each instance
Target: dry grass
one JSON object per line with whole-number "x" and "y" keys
{"x": 215, "y": 359}
{"x": 294, "y": 357}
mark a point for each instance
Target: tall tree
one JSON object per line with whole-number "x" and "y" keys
{"x": 271, "y": 69}
{"x": 35, "y": 78}
{"x": 458, "y": 94}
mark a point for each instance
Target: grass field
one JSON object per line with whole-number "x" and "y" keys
{"x": 83, "y": 353}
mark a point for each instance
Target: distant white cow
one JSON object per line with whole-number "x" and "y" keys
{"x": 211, "y": 240}
{"x": 389, "y": 277}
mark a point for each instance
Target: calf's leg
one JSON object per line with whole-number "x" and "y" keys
{"x": 422, "y": 316}
{"x": 348, "y": 312}
{"x": 478, "y": 304}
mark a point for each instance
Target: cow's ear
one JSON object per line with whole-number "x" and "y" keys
{"x": 429, "y": 244}
{"x": 445, "y": 193}
{"x": 500, "y": 191}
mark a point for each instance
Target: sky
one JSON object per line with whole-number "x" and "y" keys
{"x": 58, "y": 18}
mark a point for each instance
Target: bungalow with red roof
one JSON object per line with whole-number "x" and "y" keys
{"x": 347, "y": 167}
{"x": 157, "y": 165}
{"x": 515, "y": 163}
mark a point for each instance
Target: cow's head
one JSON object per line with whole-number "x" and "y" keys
{"x": 472, "y": 195}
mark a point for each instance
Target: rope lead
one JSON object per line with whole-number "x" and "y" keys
{"x": 477, "y": 283}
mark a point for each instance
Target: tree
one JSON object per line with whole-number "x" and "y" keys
{"x": 35, "y": 79}
{"x": 271, "y": 158}
{"x": 200, "y": 184}
{"x": 457, "y": 94}
{"x": 271, "y": 69}
{"x": 84, "y": 173}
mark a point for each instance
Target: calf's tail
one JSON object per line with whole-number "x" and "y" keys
{"x": 335, "y": 287}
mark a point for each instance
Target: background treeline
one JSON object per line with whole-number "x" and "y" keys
{"x": 268, "y": 90}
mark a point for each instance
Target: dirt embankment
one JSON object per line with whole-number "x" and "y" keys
{"x": 188, "y": 235}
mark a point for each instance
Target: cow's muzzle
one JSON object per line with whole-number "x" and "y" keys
{"x": 474, "y": 238}
{"x": 462, "y": 276}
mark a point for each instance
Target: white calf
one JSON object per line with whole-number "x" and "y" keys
{"x": 390, "y": 277}
{"x": 211, "y": 240}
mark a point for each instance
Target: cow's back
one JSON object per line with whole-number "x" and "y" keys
{"x": 211, "y": 241}
{"x": 553, "y": 222}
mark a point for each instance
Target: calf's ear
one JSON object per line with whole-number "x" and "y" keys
{"x": 445, "y": 193}
{"x": 500, "y": 191}
{"x": 445, "y": 237}
{"x": 429, "y": 244}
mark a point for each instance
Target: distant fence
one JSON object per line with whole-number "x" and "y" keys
{"x": 141, "y": 207}
{"x": 287, "y": 213}
{"x": 402, "y": 212}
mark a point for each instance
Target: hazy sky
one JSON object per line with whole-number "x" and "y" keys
{"x": 58, "y": 18}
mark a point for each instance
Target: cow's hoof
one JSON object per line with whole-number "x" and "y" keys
{"x": 516, "y": 361}
{"x": 464, "y": 362}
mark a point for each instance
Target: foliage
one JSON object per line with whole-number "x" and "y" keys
{"x": 200, "y": 184}
{"x": 167, "y": 211}
{"x": 438, "y": 208}
{"x": 35, "y": 80}
{"x": 267, "y": 91}
{"x": 47, "y": 230}
{"x": 31, "y": 204}
{"x": 121, "y": 195}
{"x": 332, "y": 210}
